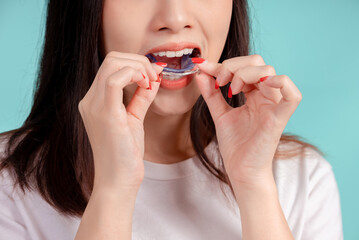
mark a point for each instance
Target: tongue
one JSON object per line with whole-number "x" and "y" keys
{"x": 174, "y": 62}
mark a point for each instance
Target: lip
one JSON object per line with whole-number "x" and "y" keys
{"x": 176, "y": 84}
{"x": 172, "y": 46}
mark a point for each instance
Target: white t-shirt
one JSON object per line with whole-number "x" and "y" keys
{"x": 183, "y": 201}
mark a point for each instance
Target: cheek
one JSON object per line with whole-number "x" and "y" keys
{"x": 217, "y": 26}
{"x": 221, "y": 19}
{"x": 121, "y": 26}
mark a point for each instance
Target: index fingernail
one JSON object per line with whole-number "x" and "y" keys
{"x": 230, "y": 92}
{"x": 162, "y": 64}
{"x": 198, "y": 60}
{"x": 263, "y": 79}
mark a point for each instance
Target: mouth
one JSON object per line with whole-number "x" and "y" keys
{"x": 179, "y": 63}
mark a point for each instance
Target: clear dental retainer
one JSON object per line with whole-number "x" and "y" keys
{"x": 187, "y": 68}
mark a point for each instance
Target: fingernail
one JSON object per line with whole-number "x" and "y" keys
{"x": 144, "y": 77}
{"x": 162, "y": 64}
{"x": 150, "y": 88}
{"x": 216, "y": 85}
{"x": 263, "y": 79}
{"x": 198, "y": 60}
{"x": 159, "y": 78}
{"x": 230, "y": 92}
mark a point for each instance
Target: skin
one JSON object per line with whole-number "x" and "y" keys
{"x": 118, "y": 110}
{"x": 139, "y": 29}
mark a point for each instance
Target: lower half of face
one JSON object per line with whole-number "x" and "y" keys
{"x": 170, "y": 102}
{"x": 138, "y": 26}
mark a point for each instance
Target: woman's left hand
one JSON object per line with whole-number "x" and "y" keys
{"x": 248, "y": 136}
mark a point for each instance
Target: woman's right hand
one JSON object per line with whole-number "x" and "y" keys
{"x": 115, "y": 131}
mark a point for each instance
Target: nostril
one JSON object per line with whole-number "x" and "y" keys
{"x": 166, "y": 28}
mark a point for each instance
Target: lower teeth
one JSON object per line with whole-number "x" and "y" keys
{"x": 173, "y": 73}
{"x": 171, "y": 77}
{"x": 176, "y": 76}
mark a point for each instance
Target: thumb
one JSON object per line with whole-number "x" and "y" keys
{"x": 158, "y": 67}
{"x": 216, "y": 103}
{"x": 143, "y": 98}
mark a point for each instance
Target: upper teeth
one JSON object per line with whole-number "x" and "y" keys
{"x": 171, "y": 54}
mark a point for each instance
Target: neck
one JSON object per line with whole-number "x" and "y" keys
{"x": 167, "y": 138}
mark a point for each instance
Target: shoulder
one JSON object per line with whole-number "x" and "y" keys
{"x": 309, "y": 194}
{"x": 296, "y": 176}
{"x": 304, "y": 179}
{"x": 7, "y": 179}
{"x": 8, "y": 189}
{"x": 9, "y": 197}
{"x": 26, "y": 213}
{"x": 306, "y": 164}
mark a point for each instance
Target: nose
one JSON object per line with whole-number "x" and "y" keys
{"x": 172, "y": 16}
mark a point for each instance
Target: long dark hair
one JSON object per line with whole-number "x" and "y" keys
{"x": 51, "y": 152}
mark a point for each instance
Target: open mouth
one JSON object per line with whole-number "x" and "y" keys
{"x": 178, "y": 62}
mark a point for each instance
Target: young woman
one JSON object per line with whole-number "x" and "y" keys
{"x": 116, "y": 147}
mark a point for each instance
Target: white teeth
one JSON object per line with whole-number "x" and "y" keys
{"x": 171, "y": 54}
{"x": 179, "y": 53}
{"x": 169, "y": 77}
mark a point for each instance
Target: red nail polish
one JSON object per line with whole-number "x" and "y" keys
{"x": 263, "y": 79}
{"x": 144, "y": 77}
{"x": 198, "y": 60}
{"x": 162, "y": 64}
{"x": 217, "y": 85}
{"x": 230, "y": 92}
{"x": 150, "y": 88}
{"x": 159, "y": 78}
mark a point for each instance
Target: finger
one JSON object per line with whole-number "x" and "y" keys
{"x": 112, "y": 64}
{"x": 217, "y": 105}
{"x": 158, "y": 69}
{"x": 248, "y": 88}
{"x": 238, "y": 83}
{"x": 141, "y": 101}
{"x": 233, "y": 64}
{"x": 142, "y": 98}
{"x": 210, "y": 68}
{"x": 109, "y": 66}
{"x": 113, "y": 92}
{"x": 251, "y": 75}
{"x": 291, "y": 96}
{"x": 217, "y": 70}
{"x": 140, "y": 58}
{"x": 224, "y": 72}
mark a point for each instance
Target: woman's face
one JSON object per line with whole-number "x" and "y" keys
{"x": 139, "y": 26}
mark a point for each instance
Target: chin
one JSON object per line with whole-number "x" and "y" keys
{"x": 177, "y": 102}
{"x": 170, "y": 108}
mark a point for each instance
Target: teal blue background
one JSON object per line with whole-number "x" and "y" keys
{"x": 316, "y": 43}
